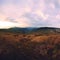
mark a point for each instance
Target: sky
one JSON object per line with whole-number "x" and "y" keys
{"x": 29, "y": 13}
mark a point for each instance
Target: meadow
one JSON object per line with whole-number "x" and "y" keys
{"x": 17, "y": 46}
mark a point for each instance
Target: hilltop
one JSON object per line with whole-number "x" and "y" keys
{"x": 32, "y": 30}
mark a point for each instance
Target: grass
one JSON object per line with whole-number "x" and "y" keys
{"x": 15, "y": 46}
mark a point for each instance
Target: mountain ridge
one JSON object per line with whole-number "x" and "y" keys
{"x": 31, "y": 30}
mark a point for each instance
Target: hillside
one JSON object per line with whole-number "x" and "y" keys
{"x": 30, "y": 43}
{"x": 15, "y": 30}
{"x": 32, "y": 30}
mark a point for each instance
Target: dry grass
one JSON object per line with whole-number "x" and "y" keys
{"x": 29, "y": 47}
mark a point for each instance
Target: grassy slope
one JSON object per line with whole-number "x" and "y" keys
{"x": 34, "y": 46}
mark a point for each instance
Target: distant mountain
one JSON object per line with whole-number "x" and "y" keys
{"x": 46, "y": 30}
{"x": 41, "y": 30}
{"x": 17, "y": 30}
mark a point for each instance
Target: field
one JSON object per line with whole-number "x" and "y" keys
{"x": 17, "y": 46}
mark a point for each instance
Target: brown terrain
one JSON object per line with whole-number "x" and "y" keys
{"x": 31, "y": 46}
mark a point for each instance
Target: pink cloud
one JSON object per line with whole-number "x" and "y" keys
{"x": 43, "y": 11}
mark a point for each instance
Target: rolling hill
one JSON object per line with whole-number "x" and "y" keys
{"x": 30, "y": 43}
{"x": 32, "y": 30}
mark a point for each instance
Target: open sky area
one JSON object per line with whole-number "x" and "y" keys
{"x": 29, "y": 13}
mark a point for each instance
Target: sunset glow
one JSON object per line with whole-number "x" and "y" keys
{"x": 4, "y": 24}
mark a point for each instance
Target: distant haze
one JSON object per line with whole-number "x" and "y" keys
{"x": 29, "y": 13}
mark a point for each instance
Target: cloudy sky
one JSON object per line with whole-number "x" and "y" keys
{"x": 29, "y": 13}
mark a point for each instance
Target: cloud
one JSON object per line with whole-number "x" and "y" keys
{"x": 52, "y": 5}
{"x": 30, "y": 13}
{"x": 58, "y": 16}
{"x": 41, "y": 14}
{"x": 22, "y": 22}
